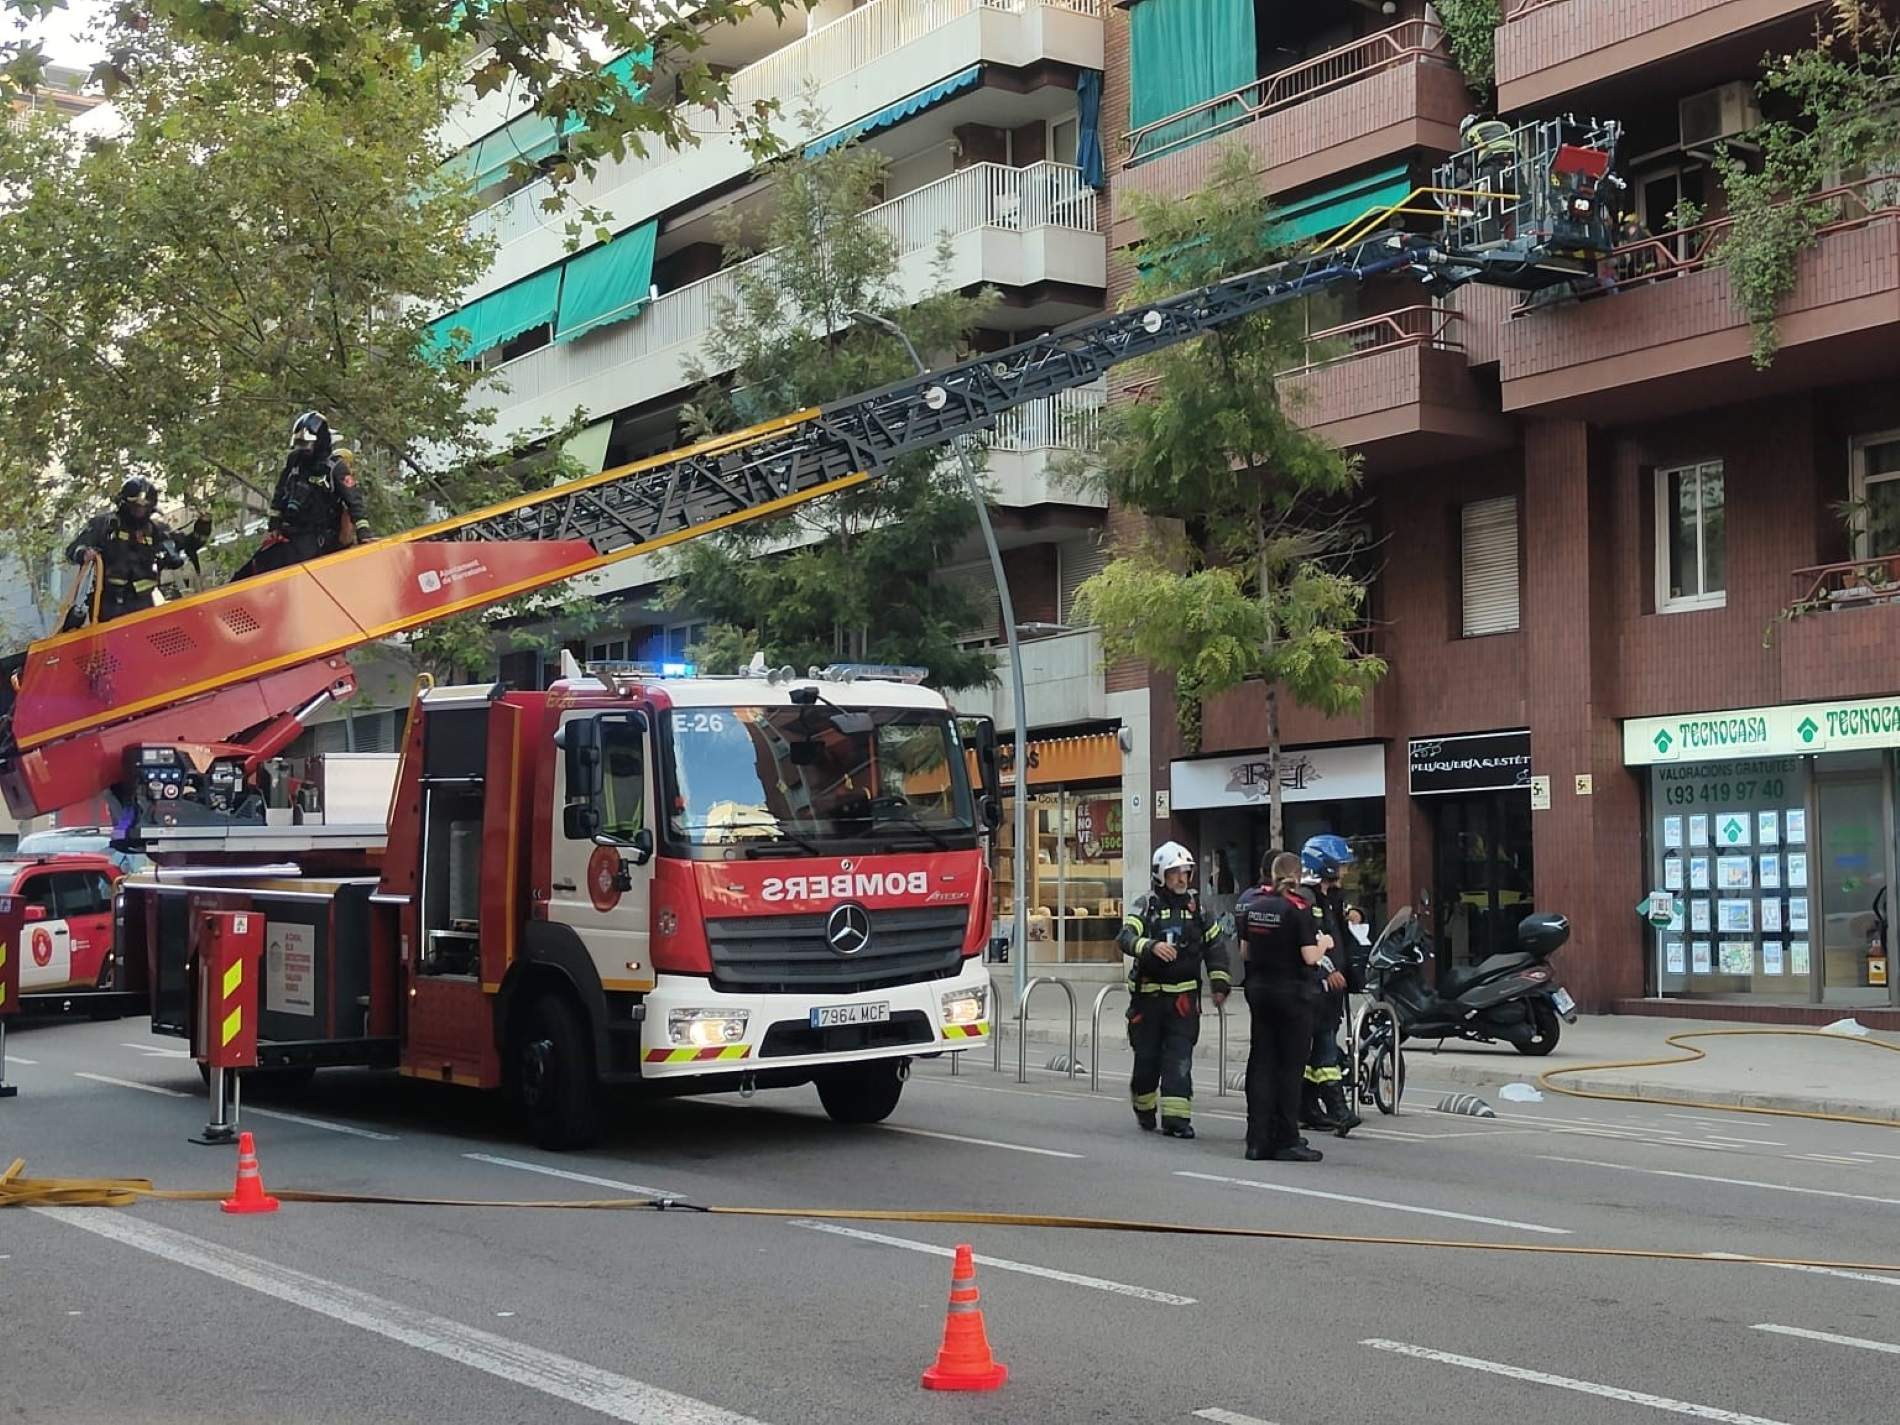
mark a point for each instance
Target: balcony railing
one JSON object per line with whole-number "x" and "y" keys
{"x": 1856, "y": 583}
{"x": 1411, "y": 42}
{"x": 1439, "y": 328}
{"x": 1690, "y": 249}
{"x": 984, "y": 195}
{"x": 1516, "y": 9}
{"x": 1068, "y": 420}
{"x": 822, "y": 57}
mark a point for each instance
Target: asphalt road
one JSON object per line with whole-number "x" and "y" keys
{"x": 174, "y": 1312}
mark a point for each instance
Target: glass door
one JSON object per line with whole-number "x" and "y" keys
{"x": 1481, "y": 876}
{"x": 1852, "y": 882}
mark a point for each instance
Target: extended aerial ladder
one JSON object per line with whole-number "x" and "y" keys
{"x": 175, "y": 709}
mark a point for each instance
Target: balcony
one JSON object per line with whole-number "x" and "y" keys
{"x": 1062, "y": 683}
{"x": 1669, "y": 336}
{"x": 1013, "y": 227}
{"x": 1548, "y": 50}
{"x": 1029, "y": 443}
{"x": 1374, "y": 99}
{"x": 1845, "y": 631}
{"x": 874, "y": 56}
{"x": 1396, "y": 387}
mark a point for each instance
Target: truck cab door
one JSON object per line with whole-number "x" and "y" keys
{"x": 46, "y": 944}
{"x": 600, "y": 865}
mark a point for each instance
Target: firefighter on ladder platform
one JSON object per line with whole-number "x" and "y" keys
{"x": 133, "y": 547}
{"x": 1171, "y": 942}
{"x": 317, "y": 507}
{"x": 1323, "y": 1101}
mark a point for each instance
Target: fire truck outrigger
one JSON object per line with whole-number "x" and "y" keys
{"x": 691, "y": 883}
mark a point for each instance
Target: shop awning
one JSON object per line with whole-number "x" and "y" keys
{"x": 607, "y": 284}
{"x": 1320, "y": 215}
{"x": 499, "y": 317}
{"x": 896, "y": 113}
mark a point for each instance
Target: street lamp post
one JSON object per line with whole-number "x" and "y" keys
{"x": 1019, "y": 930}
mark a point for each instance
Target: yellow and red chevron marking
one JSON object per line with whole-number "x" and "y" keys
{"x": 233, "y": 1022}
{"x": 694, "y": 1056}
{"x": 3, "y": 976}
{"x": 966, "y": 1031}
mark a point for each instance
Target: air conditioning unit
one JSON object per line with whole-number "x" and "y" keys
{"x": 1717, "y": 114}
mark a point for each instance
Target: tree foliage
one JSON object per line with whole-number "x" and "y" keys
{"x": 1246, "y": 576}
{"x": 1471, "y": 28}
{"x": 1834, "y": 112}
{"x": 847, "y": 577}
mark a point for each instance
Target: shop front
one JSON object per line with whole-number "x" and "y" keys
{"x": 1771, "y": 850}
{"x": 1476, "y": 791}
{"x": 1322, "y": 789}
{"x": 1075, "y": 862}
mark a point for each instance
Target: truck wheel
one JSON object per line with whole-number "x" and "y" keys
{"x": 551, "y": 1076}
{"x": 1548, "y": 1026}
{"x": 861, "y": 1093}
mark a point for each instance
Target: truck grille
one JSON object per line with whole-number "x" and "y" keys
{"x": 774, "y": 954}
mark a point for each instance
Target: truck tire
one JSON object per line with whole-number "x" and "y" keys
{"x": 862, "y": 1093}
{"x": 550, "y": 1072}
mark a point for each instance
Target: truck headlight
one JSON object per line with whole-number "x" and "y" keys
{"x": 965, "y": 1006}
{"x": 706, "y": 1028}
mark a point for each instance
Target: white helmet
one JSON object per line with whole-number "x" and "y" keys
{"x": 1172, "y": 856}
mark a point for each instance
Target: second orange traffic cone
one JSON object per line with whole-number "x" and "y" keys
{"x": 964, "y": 1362}
{"x": 249, "y": 1196}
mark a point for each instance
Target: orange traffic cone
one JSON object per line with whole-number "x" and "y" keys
{"x": 965, "y": 1362}
{"x": 249, "y": 1195}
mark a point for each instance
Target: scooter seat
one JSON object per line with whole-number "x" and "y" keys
{"x": 1458, "y": 980}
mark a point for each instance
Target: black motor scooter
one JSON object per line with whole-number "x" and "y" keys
{"x": 1513, "y": 998}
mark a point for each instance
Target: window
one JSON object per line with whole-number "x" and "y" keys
{"x": 1877, "y": 495}
{"x": 624, "y": 778}
{"x": 38, "y": 891}
{"x": 1062, "y": 140}
{"x": 82, "y": 893}
{"x": 609, "y": 650}
{"x": 681, "y": 638}
{"x": 1487, "y": 540}
{"x": 1691, "y": 538}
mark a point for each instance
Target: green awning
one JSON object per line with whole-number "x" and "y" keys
{"x": 533, "y": 136}
{"x": 608, "y": 283}
{"x": 1320, "y": 215}
{"x": 589, "y": 448}
{"x": 500, "y": 317}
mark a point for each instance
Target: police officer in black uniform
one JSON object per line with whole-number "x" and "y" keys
{"x": 1171, "y": 941}
{"x": 134, "y": 547}
{"x": 316, "y": 489}
{"x": 1282, "y": 946}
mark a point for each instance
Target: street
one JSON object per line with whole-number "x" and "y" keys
{"x": 173, "y": 1311}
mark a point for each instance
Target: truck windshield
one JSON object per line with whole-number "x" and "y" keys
{"x": 811, "y": 775}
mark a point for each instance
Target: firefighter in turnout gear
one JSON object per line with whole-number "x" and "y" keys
{"x": 317, "y": 507}
{"x": 1171, "y": 943}
{"x": 134, "y": 547}
{"x": 1323, "y": 1100}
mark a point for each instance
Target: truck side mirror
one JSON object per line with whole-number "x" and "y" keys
{"x": 642, "y": 845}
{"x": 991, "y": 809}
{"x": 988, "y": 766}
{"x": 580, "y": 739}
{"x": 580, "y": 821}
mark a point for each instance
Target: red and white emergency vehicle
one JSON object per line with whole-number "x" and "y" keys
{"x": 63, "y": 905}
{"x": 694, "y": 884}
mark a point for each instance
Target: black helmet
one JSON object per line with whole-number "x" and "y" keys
{"x": 310, "y": 431}
{"x": 138, "y": 497}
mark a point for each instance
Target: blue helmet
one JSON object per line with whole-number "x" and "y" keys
{"x": 1325, "y": 856}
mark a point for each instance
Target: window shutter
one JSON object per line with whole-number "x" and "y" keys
{"x": 1077, "y": 560}
{"x": 1488, "y": 541}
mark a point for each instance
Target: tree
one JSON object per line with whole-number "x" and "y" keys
{"x": 249, "y": 246}
{"x": 1471, "y": 32}
{"x": 1834, "y": 113}
{"x": 1246, "y": 574}
{"x": 542, "y": 47}
{"x": 846, "y": 577}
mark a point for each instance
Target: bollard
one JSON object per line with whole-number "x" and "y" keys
{"x": 12, "y": 916}
{"x": 228, "y": 954}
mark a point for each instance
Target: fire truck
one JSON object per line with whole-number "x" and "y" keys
{"x": 687, "y": 883}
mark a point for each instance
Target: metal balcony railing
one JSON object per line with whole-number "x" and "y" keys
{"x": 1854, "y": 583}
{"x": 1410, "y": 42}
{"x": 1517, "y": 9}
{"x": 1068, "y": 420}
{"x": 1439, "y": 328}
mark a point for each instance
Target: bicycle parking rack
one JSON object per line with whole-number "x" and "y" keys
{"x": 1022, "y": 1026}
{"x": 1095, "y": 1035}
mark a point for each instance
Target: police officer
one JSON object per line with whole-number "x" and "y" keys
{"x": 1170, "y": 941}
{"x": 1323, "y": 1101}
{"x": 1282, "y": 945}
{"x": 316, "y": 489}
{"x": 134, "y": 547}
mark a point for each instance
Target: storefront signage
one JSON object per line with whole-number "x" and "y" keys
{"x": 1307, "y": 774}
{"x": 1476, "y": 762}
{"x": 1775, "y": 731}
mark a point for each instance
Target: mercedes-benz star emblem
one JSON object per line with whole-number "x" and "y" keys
{"x": 848, "y": 928}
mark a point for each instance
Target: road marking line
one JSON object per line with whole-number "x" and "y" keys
{"x": 1376, "y": 1202}
{"x": 1825, "y": 1158}
{"x": 1001, "y": 1264}
{"x": 1817, "y": 1271}
{"x": 1891, "y": 1157}
{"x": 1585, "y": 1387}
{"x": 157, "y": 1051}
{"x": 129, "y": 1084}
{"x": 1732, "y": 1182}
{"x": 572, "y": 1177}
{"x": 322, "y": 1123}
{"x": 1752, "y": 1142}
{"x": 1884, "y": 1347}
{"x": 1228, "y": 1417}
{"x": 979, "y": 1142}
{"x": 616, "y": 1396}
{"x": 16, "y": 1059}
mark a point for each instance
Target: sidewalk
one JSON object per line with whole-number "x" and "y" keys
{"x": 1815, "y": 1075}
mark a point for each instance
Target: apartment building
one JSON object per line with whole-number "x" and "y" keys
{"x": 982, "y": 108}
{"x": 1634, "y": 646}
